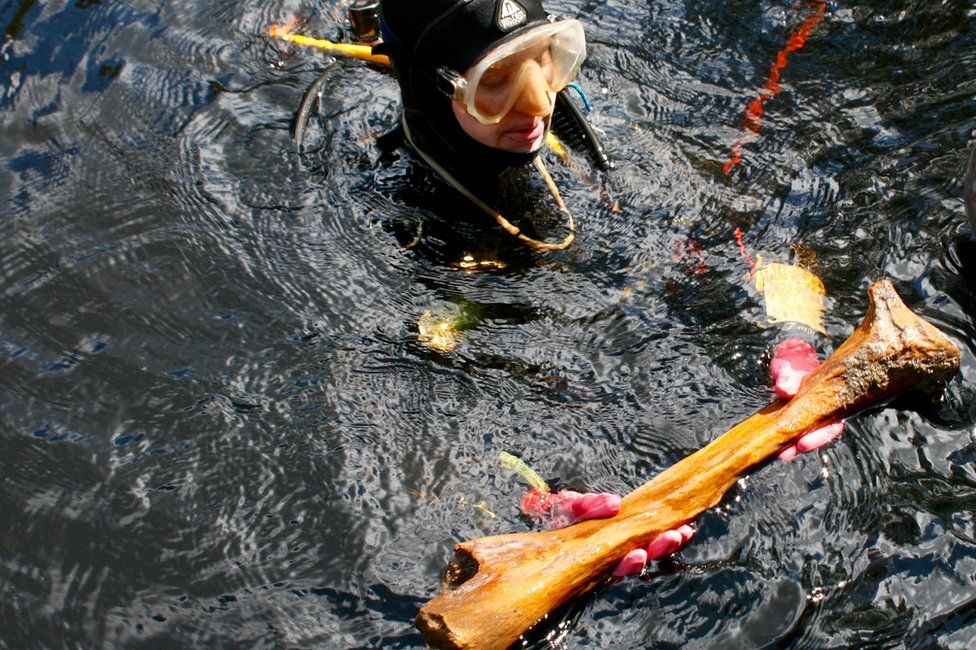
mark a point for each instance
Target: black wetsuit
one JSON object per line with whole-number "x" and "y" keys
{"x": 442, "y": 224}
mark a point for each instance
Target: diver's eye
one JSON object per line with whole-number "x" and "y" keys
{"x": 495, "y": 77}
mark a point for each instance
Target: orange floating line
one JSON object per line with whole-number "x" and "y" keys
{"x": 754, "y": 111}
{"x": 742, "y": 249}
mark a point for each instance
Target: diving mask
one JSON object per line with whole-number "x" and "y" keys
{"x": 552, "y": 52}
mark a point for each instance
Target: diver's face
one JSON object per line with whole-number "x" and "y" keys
{"x": 523, "y": 129}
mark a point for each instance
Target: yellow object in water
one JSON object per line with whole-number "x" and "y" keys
{"x": 553, "y": 142}
{"x": 792, "y": 294}
{"x": 469, "y": 263}
{"x": 439, "y": 334}
{"x": 362, "y": 52}
{"x": 517, "y": 465}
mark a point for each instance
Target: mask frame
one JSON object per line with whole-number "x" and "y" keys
{"x": 493, "y": 83}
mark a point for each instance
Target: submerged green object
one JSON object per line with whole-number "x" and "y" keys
{"x": 517, "y": 465}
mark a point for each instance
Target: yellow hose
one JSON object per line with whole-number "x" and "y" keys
{"x": 361, "y": 52}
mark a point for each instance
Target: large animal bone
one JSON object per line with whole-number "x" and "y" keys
{"x": 496, "y": 588}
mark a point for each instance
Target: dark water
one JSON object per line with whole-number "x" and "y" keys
{"x": 219, "y": 430}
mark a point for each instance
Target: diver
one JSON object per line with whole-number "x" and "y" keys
{"x": 482, "y": 84}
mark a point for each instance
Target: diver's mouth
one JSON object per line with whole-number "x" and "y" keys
{"x": 527, "y": 135}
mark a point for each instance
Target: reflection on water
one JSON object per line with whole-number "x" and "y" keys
{"x": 219, "y": 426}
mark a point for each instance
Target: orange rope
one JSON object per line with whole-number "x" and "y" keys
{"x": 742, "y": 249}
{"x": 771, "y": 88}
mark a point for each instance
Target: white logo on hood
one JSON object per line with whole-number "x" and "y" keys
{"x": 510, "y": 15}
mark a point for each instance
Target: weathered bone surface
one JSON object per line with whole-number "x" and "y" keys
{"x": 498, "y": 587}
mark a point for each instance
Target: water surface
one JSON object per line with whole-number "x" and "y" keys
{"x": 218, "y": 427}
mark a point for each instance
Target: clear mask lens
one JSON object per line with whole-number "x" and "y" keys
{"x": 543, "y": 60}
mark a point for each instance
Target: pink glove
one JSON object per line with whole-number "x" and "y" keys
{"x": 552, "y": 511}
{"x": 793, "y": 360}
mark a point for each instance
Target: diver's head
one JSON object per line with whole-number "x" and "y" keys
{"x": 479, "y": 77}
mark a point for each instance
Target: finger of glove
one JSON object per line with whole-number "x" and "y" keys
{"x": 632, "y": 564}
{"x": 812, "y": 440}
{"x": 819, "y": 437}
{"x": 596, "y": 506}
{"x": 789, "y": 453}
{"x": 669, "y": 541}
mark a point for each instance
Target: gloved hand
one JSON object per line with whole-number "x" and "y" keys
{"x": 558, "y": 510}
{"x": 793, "y": 360}
{"x": 663, "y": 545}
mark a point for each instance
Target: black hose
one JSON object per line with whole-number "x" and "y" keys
{"x": 305, "y": 108}
{"x": 577, "y": 119}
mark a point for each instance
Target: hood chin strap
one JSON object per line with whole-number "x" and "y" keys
{"x": 505, "y": 224}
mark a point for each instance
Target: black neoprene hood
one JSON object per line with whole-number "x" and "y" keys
{"x": 455, "y": 33}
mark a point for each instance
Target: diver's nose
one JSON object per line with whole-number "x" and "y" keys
{"x": 534, "y": 97}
